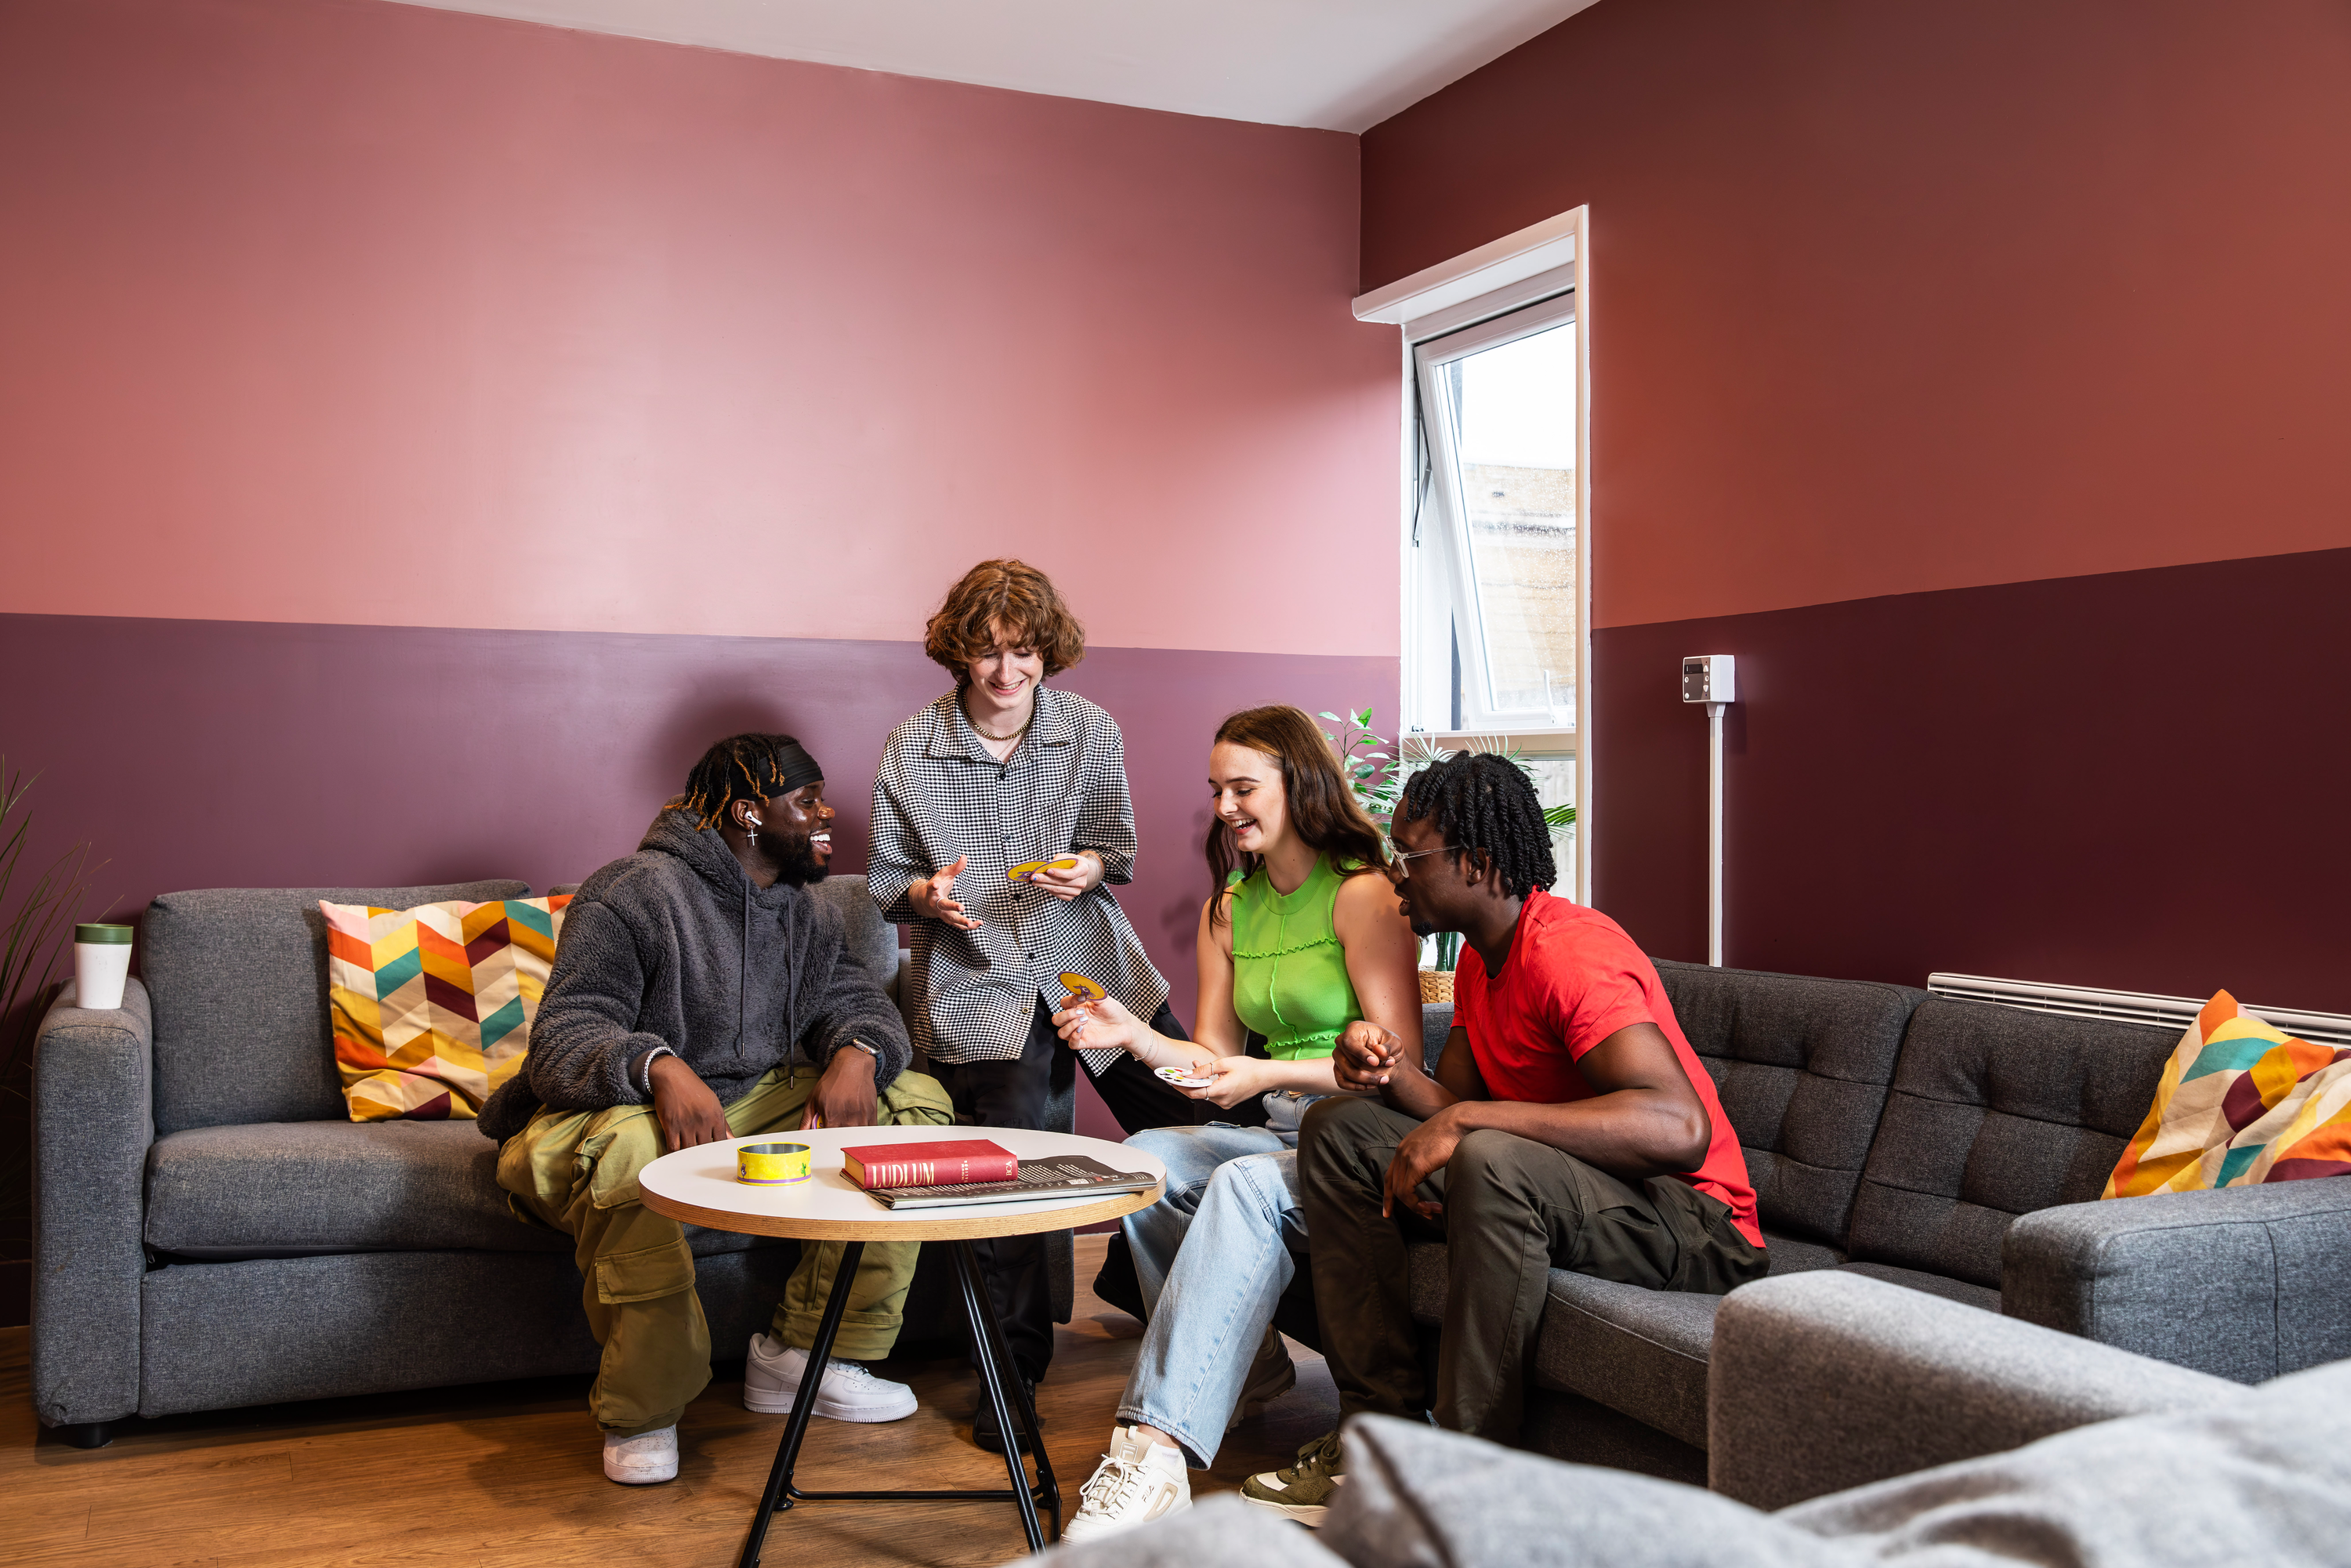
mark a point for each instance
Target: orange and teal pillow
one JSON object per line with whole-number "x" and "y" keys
{"x": 2240, "y": 1102}
{"x": 432, "y": 1006}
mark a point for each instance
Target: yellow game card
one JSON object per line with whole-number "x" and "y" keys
{"x": 1081, "y": 989}
{"x": 1021, "y": 872}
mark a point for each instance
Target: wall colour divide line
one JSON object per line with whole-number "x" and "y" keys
{"x": 2132, "y": 779}
{"x": 262, "y": 753}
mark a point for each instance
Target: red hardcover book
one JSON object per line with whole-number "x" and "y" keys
{"x": 957, "y": 1162}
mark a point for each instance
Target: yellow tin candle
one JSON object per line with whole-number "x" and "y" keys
{"x": 772, "y": 1165}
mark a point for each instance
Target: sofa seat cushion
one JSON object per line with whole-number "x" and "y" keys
{"x": 1645, "y": 1353}
{"x": 1941, "y": 1285}
{"x": 1789, "y": 1256}
{"x": 1642, "y": 1352}
{"x": 298, "y": 1189}
{"x": 292, "y": 1189}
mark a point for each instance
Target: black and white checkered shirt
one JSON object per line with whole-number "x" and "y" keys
{"x": 937, "y": 795}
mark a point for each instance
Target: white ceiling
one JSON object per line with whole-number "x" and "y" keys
{"x": 1339, "y": 65}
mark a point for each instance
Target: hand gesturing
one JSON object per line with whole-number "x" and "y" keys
{"x": 932, "y": 897}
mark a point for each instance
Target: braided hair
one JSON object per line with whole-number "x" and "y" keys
{"x": 745, "y": 768}
{"x": 1485, "y": 803}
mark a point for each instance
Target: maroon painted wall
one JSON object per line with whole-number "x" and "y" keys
{"x": 1947, "y": 359}
{"x": 2132, "y": 779}
{"x": 261, "y": 754}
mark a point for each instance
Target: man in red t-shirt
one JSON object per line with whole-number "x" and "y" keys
{"x": 1569, "y": 1126}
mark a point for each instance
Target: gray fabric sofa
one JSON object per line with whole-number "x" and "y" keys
{"x": 1955, "y": 1149}
{"x": 1855, "y": 1422}
{"x": 212, "y": 1231}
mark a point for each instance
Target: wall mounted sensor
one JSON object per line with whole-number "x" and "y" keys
{"x": 1712, "y": 679}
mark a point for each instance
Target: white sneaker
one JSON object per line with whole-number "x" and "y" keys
{"x": 771, "y": 1380}
{"x": 641, "y": 1460}
{"x": 1136, "y": 1482}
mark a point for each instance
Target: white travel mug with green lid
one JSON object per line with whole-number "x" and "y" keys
{"x": 101, "y": 963}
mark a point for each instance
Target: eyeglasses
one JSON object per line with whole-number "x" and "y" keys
{"x": 1399, "y": 870}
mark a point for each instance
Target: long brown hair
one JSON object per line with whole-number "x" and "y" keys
{"x": 1321, "y": 810}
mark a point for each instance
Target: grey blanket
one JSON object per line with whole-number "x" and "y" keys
{"x": 674, "y": 946}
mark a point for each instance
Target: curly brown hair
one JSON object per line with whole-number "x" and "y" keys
{"x": 1020, "y": 596}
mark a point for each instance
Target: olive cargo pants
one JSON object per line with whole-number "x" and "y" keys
{"x": 576, "y": 1171}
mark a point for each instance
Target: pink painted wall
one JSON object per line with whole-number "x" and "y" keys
{"x": 340, "y": 311}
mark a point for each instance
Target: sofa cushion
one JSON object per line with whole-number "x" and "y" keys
{"x": 1645, "y": 1353}
{"x": 432, "y": 1007}
{"x": 1641, "y": 1352}
{"x": 290, "y": 1189}
{"x": 1941, "y": 1285}
{"x": 297, "y": 1189}
{"x": 1996, "y": 1111}
{"x": 237, "y": 977}
{"x": 1801, "y": 1066}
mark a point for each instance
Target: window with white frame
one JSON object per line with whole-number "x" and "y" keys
{"x": 1494, "y": 635}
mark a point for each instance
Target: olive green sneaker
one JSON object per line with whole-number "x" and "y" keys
{"x": 1304, "y": 1491}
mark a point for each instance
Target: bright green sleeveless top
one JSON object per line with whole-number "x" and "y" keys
{"x": 1290, "y": 974}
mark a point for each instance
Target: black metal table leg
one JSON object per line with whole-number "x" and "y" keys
{"x": 996, "y": 1366}
{"x": 780, "y": 1493}
{"x": 999, "y": 1351}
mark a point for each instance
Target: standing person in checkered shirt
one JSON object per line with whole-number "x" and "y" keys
{"x": 997, "y": 773}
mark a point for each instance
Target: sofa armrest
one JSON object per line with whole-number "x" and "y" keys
{"x": 2248, "y": 1283}
{"x": 1826, "y": 1380}
{"x": 93, "y": 1119}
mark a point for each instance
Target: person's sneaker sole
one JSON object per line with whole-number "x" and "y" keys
{"x": 1077, "y": 1535}
{"x": 778, "y": 1402}
{"x": 1306, "y": 1514}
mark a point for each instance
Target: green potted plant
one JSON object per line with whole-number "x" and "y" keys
{"x": 1377, "y": 776}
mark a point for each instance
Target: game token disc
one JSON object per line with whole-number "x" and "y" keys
{"x": 1026, "y": 867}
{"x": 1081, "y": 989}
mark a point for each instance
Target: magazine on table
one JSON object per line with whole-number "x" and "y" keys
{"x": 1050, "y": 1175}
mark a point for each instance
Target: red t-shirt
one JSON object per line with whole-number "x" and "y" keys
{"x": 1572, "y": 979}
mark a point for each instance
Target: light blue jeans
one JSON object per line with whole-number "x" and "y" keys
{"x": 1213, "y": 1257}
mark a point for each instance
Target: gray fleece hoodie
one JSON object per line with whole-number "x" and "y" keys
{"x": 674, "y": 947}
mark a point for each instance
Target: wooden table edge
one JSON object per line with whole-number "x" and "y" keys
{"x": 971, "y": 1224}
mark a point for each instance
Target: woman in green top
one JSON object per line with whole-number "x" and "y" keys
{"x": 1305, "y": 944}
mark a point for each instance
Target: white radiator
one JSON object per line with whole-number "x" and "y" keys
{"x": 2130, "y": 1006}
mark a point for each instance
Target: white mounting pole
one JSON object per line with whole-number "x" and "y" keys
{"x": 1712, "y": 679}
{"x": 1714, "y": 832}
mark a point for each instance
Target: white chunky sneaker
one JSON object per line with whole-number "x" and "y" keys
{"x": 1136, "y": 1482}
{"x": 641, "y": 1460}
{"x": 771, "y": 1381}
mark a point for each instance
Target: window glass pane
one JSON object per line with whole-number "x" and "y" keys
{"x": 1555, "y": 785}
{"x": 1514, "y": 405}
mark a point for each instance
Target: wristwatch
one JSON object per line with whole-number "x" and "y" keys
{"x": 855, "y": 1044}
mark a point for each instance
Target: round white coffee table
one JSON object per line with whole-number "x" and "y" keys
{"x": 698, "y": 1186}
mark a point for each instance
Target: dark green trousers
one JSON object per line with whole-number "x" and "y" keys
{"x": 1514, "y": 1210}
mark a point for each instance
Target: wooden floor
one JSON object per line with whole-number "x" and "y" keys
{"x": 511, "y": 1473}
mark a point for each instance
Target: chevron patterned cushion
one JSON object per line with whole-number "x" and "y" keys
{"x": 432, "y": 1006}
{"x": 2240, "y": 1103}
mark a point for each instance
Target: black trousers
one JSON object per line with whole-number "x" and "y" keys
{"x": 1514, "y": 1209}
{"x": 1014, "y": 1093}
